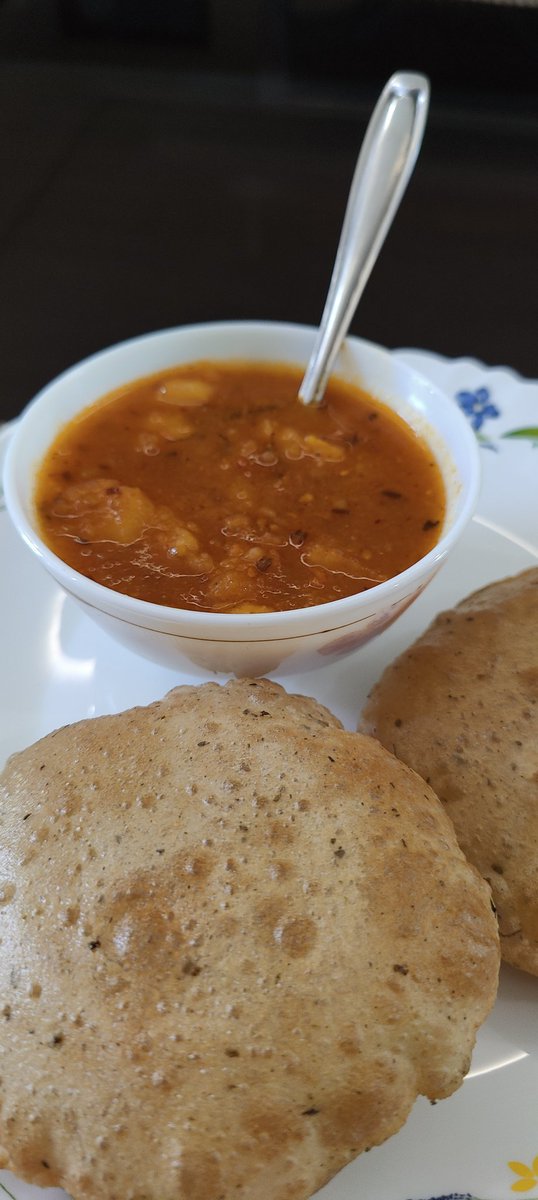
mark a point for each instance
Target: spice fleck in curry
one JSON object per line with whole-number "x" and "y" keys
{"x": 212, "y": 487}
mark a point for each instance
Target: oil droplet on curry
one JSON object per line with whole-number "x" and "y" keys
{"x": 212, "y": 487}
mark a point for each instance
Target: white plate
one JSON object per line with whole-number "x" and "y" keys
{"x": 57, "y": 667}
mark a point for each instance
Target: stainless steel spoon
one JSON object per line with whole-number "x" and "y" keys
{"x": 385, "y": 164}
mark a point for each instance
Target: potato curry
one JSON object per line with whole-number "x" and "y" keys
{"x": 211, "y": 487}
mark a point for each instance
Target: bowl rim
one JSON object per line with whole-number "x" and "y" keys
{"x": 325, "y": 617}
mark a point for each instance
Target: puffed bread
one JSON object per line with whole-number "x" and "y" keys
{"x": 237, "y": 943}
{"x": 461, "y": 708}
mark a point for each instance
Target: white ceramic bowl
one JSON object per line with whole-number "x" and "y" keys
{"x": 261, "y": 642}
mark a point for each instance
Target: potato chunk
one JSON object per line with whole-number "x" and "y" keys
{"x": 105, "y": 510}
{"x": 322, "y": 448}
{"x": 180, "y": 542}
{"x": 295, "y": 445}
{"x": 340, "y": 562}
{"x": 233, "y": 583}
{"x": 171, "y": 424}
{"x": 185, "y": 393}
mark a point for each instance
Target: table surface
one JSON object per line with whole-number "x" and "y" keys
{"x": 136, "y": 197}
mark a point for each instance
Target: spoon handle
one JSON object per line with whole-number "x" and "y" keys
{"x": 385, "y": 164}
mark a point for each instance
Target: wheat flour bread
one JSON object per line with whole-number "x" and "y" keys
{"x": 237, "y": 942}
{"x": 461, "y": 708}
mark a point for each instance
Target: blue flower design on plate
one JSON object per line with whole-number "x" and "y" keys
{"x": 477, "y": 406}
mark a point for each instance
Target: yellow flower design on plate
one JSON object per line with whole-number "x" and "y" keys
{"x": 528, "y": 1176}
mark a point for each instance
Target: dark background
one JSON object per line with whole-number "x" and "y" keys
{"x": 168, "y": 162}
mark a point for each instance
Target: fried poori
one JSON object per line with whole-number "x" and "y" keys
{"x": 461, "y": 708}
{"x": 238, "y": 942}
